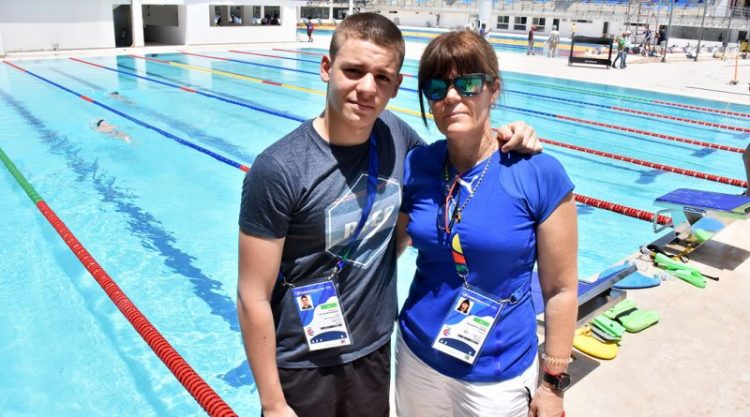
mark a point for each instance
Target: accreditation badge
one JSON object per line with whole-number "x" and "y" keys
{"x": 322, "y": 315}
{"x": 467, "y": 324}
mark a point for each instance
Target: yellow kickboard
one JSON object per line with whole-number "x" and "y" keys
{"x": 588, "y": 344}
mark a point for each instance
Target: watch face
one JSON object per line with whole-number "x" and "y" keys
{"x": 563, "y": 381}
{"x": 559, "y": 382}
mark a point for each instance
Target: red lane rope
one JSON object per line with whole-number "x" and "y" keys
{"x": 617, "y": 208}
{"x": 211, "y": 402}
{"x": 682, "y": 119}
{"x": 654, "y": 134}
{"x": 666, "y": 103}
{"x": 621, "y": 209}
{"x": 655, "y": 165}
{"x": 706, "y": 109}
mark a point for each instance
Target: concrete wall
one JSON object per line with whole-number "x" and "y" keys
{"x": 32, "y": 25}
{"x": 2, "y": 49}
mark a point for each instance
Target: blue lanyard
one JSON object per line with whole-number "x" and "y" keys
{"x": 372, "y": 189}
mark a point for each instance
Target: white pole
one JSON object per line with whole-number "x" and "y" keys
{"x": 136, "y": 21}
{"x": 485, "y": 12}
{"x": 700, "y": 37}
{"x": 669, "y": 31}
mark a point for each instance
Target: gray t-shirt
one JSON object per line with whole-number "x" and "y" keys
{"x": 312, "y": 193}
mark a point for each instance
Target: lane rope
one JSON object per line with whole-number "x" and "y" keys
{"x": 418, "y": 114}
{"x": 558, "y": 87}
{"x": 208, "y": 399}
{"x": 617, "y": 208}
{"x": 672, "y": 138}
{"x": 649, "y": 164}
{"x": 162, "y": 132}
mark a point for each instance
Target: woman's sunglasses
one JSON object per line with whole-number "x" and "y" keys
{"x": 435, "y": 89}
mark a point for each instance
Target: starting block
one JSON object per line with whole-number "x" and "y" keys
{"x": 697, "y": 216}
{"x": 594, "y": 296}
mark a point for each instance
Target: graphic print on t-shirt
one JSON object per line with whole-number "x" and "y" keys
{"x": 343, "y": 215}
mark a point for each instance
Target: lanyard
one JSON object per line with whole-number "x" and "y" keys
{"x": 450, "y": 219}
{"x": 372, "y": 188}
{"x": 459, "y": 259}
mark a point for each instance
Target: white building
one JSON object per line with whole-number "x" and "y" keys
{"x": 34, "y": 25}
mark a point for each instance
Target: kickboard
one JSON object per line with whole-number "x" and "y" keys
{"x": 637, "y": 280}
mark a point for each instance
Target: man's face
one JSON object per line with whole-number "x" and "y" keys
{"x": 361, "y": 80}
{"x": 305, "y": 302}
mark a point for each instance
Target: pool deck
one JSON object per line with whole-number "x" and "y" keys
{"x": 696, "y": 361}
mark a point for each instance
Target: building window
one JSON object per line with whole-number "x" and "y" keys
{"x": 339, "y": 13}
{"x": 519, "y": 23}
{"x": 539, "y": 22}
{"x": 314, "y": 13}
{"x": 239, "y": 15}
{"x": 503, "y": 22}
{"x": 271, "y": 15}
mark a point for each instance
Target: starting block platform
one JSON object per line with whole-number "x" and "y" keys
{"x": 696, "y": 217}
{"x": 593, "y": 297}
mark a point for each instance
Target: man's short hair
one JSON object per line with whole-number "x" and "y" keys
{"x": 370, "y": 27}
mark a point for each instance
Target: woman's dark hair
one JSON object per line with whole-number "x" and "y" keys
{"x": 99, "y": 123}
{"x": 463, "y": 52}
{"x": 370, "y": 27}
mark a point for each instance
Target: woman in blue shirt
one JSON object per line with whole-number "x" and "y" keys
{"x": 480, "y": 219}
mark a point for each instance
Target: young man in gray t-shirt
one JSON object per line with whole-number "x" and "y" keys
{"x": 302, "y": 219}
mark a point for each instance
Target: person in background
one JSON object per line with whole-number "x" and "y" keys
{"x": 310, "y": 29}
{"x": 626, "y": 48}
{"x": 480, "y": 220}
{"x": 620, "y": 44}
{"x": 530, "y": 50}
{"x": 552, "y": 42}
{"x": 102, "y": 126}
{"x": 573, "y": 30}
{"x": 319, "y": 209}
{"x": 647, "y": 38}
{"x": 484, "y": 32}
{"x": 119, "y": 97}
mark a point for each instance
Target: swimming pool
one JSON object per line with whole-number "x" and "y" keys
{"x": 161, "y": 217}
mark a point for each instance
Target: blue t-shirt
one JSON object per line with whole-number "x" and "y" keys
{"x": 498, "y": 237}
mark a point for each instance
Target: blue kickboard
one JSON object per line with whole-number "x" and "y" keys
{"x": 637, "y": 280}
{"x": 610, "y": 273}
{"x": 706, "y": 200}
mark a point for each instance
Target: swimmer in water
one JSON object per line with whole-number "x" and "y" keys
{"x": 102, "y": 126}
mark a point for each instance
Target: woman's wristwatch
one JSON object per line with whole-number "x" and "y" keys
{"x": 558, "y": 382}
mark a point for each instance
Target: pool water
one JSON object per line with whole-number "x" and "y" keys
{"x": 161, "y": 217}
